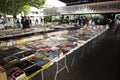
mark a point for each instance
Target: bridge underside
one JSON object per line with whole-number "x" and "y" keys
{"x": 100, "y": 7}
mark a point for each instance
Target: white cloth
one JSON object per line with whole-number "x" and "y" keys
{"x": 1, "y": 20}
{"x": 2, "y": 26}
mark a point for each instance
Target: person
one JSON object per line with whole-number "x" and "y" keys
{"x": 36, "y": 21}
{"x": 98, "y": 21}
{"x": 117, "y": 25}
{"x": 23, "y": 22}
{"x": 1, "y": 23}
{"x": 78, "y": 21}
{"x": 111, "y": 22}
{"x": 81, "y": 20}
{"x": 29, "y": 21}
{"x": 41, "y": 20}
{"x": 1, "y": 20}
{"x": 90, "y": 22}
{"x": 17, "y": 23}
{"x": 67, "y": 20}
{"x": 85, "y": 21}
{"x": 8, "y": 19}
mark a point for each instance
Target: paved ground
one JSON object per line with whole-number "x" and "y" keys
{"x": 101, "y": 63}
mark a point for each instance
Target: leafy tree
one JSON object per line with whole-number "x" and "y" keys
{"x": 25, "y": 9}
{"x": 16, "y": 6}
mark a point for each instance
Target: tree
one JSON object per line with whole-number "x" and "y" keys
{"x": 17, "y": 6}
{"x": 25, "y": 9}
{"x": 3, "y": 9}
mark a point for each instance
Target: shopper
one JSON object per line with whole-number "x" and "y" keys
{"x": 22, "y": 18}
{"x": 85, "y": 21}
{"x": 111, "y": 22}
{"x": 82, "y": 20}
{"x": 17, "y": 23}
{"x": 36, "y": 21}
{"x": 41, "y": 20}
{"x": 29, "y": 22}
{"x": 1, "y": 23}
{"x": 78, "y": 21}
{"x": 98, "y": 21}
{"x": 90, "y": 21}
{"x": 23, "y": 22}
{"x": 67, "y": 20}
{"x": 117, "y": 25}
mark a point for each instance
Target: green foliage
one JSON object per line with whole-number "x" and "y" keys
{"x": 48, "y": 19}
{"x": 56, "y": 18}
{"x": 92, "y": 16}
{"x": 25, "y": 9}
{"x": 0, "y": 13}
{"x": 16, "y": 6}
{"x": 36, "y": 3}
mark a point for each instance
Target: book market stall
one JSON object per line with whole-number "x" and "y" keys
{"x": 27, "y": 53}
{"x": 32, "y": 55}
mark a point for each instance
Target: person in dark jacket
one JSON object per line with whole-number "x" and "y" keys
{"x": 26, "y": 22}
{"x": 23, "y": 22}
{"x": 29, "y": 22}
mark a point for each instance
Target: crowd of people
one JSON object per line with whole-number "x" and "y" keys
{"x": 82, "y": 21}
{"x": 25, "y": 22}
